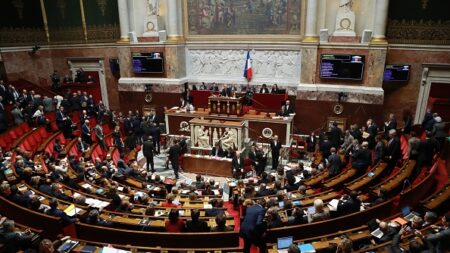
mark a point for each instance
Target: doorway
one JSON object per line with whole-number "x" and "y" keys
{"x": 434, "y": 92}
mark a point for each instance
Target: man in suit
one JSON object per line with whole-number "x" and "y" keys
{"x": 362, "y": 158}
{"x": 440, "y": 241}
{"x": 149, "y": 150}
{"x": 49, "y": 106}
{"x": 86, "y": 132}
{"x": 428, "y": 120}
{"x": 263, "y": 191}
{"x": 100, "y": 135}
{"x": 82, "y": 146}
{"x": 237, "y": 164}
{"x": 174, "y": 154}
{"x": 13, "y": 240}
{"x": 60, "y": 117}
{"x": 372, "y": 129}
{"x": 426, "y": 150}
{"x": 349, "y": 204}
{"x": 264, "y": 89}
{"x": 16, "y": 112}
{"x": 55, "y": 211}
{"x": 336, "y": 135}
{"x": 393, "y": 151}
{"x": 288, "y": 108}
{"x": 253, "y": 226}
{"x": 275, "y": 146}
{"x": 334, "y": 163}
{"x": 195, "y": 224}
{"x": 226, "y": 91}
{"x": 390, "y": 124}
{"x": 217, "y": 150}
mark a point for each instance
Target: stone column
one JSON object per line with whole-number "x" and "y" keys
{"x": 173, "y": 20}
{"x": 311, "y": 20}
{"x": 381, "y": 17}
{"x": 124, "y": 21}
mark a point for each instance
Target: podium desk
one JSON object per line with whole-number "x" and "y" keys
{"x": 225, "y": 105}
{"x": 207, "y": 165}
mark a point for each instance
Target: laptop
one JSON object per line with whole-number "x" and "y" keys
{"x": 284, "y": 243}
{"x": 407, "y": 214}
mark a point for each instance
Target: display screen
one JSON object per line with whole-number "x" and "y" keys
{"x": 342, "y": 66}
{"x": 396, "y": 73}
{"x": 148, "y": 62}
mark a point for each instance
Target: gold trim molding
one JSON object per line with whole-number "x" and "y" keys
{"x": 44, "y": 19}
{"x": 310, "y": 39}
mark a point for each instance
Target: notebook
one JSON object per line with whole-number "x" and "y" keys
{"x": 284, "y": 243}
{"x": 307, "y": 248}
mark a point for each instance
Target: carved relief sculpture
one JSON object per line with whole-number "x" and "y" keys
{"x": 345, "y": 19}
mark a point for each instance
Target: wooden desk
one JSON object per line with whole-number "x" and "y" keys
{"x": 366, "y": 179}
{"x": 225, "y": 105}
{"x": 207, "y": 166}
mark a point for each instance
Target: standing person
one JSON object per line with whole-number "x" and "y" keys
{"x": 275, "y": 147}
{"x": 148, "y": 149}
{"x": 439, "y": 131}
{"x": 334, "y": 163}
{"x": 390, "y": 124}
{"x": 372, "y": 130}
{"x": 336, "y": 135}
{"x": 393, "y": 150}
{"x": 118, "y": 142}
{"x": 100, "y": 135}
{"x": 174, "y": 154}
{"x": 252, "y": 227}
{"x": 380, "y": 148}
{"x": 156, "y": 137}
{"x": 426, "y": 150}
{"x": 311, "y": 142}
{"x": 17, "y": 115}
{"x": 86, "y": 132}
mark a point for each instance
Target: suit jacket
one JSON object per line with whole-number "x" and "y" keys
{"x": 226, "y": 92}
{"x": 426, "y": 150}
{"x": 335, "y": 162}
{"x": 85, "y": 130}
{"x": 264, "y": 90}
{"x": 391, "y": 125}
{"x": 237, "y": 165}
{"x": 440, "y": 241}
{"x": 393, "y": 149}
{"x": 311, "y": 143}
{"x": 219, "y": 152}
{"x": 99, "y": 132}
{"x": 336, "y": 134}
{"x": 251, "y": 226}
{"x": 288, "y": 110}
{"x": 174, "y": 153}
{"x": 196, "y": 226}
{"x": 148, "y": 148}
{"x": 64, "y": 217}
{"x": 18, "y": 116}
{"x": 439, "y": 130}
{"x": 14, "y": 241}
{"x": 275, "y": 148}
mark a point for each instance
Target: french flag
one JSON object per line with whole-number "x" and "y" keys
{"x": 248, "y": 67}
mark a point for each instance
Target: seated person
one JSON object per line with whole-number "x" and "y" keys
{"x": 273, "y": 218}
{"x": 440, "y": 242}
{"x": 169, "y": 199}
{"x": 217, "y": 150}
{"x": 58, "y": 148}
{"x": 349, "y": 204}
{"x": 195, "y": 224}
{"x": 388, "y": 232}
{"x": 90, "y": 79}
{"x": 174, "y": 224}
{"x": 221, "y": 221}
{"x": 216, "y": 209}
{"x": 298, "y": 217}
{"x": 94, "y": 219}
{"x": 264, "y": 191}
{"x": 320, "y": 213}
{"x": 199, "y": 183}
{"x": 264, "y": 89}
{"x": 14, "y": 241}
{"x": 54, "y": 211}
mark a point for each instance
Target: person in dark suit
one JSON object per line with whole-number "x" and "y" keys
{"x": 60, "y": 117}
{"x": 86, "y": 132}
{"x": 252, "y": 227}
{"x": 311, "y": 142}
{"x": 264, "y": 89}
{"x": 426, "y": 150}
{"x": 288, "y": 108}
{"x": 440, "y": 242}
{"x": 362, "y": 158}
{"x": 148, "y": 149}
{"x": 217, "y": 150}
{"x": 54, "y": 211}
{"x": 14, "y": 241}
{"x": 393, "y": 151}
{"x": 390, "y": 124}
{"x": 334, "y": 163}
{"x": 263, "y": 191}
{"x": 58, "y": 148}
{"x": 195, "y": 224}
{"x": 325, "y": 147}
{"x": 428, "y": 120}
{"x": 372, "y": 130}
{"x": 82, "y": 146}
{"x": 275, "y": 146}
{"x": 275, "y": 89}
{"x": 174, "y": 154}
{"x": 380, "y": 149}
{"x": 237, "y": 164}
{"x": 226, "y": 91}
{"x": 336, "y": 135}
{"x": 349, "y": 204}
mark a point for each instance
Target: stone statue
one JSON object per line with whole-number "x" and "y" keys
{"x": 345, "y": 19}
{"x": 203, "y": 138}
{"x": 228, "y": 139}
{"x": 153, "y": 7}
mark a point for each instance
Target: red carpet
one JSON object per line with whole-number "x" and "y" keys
{"x": 237, "y": 223}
